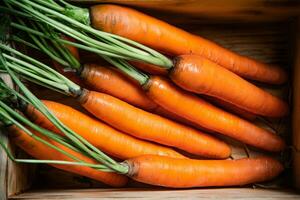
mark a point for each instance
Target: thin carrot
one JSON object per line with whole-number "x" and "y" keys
{"x": 99, "y": 134}
{"x": 180, "y": 173}
{"x": 205, "y": 114}
{"x": 41, "y": 151}
{"x": 197, "y": 74}
{"x": 166, "y": 38}
{"x": 145, "y": 125}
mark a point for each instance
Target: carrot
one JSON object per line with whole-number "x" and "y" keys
{"x": 199, "y": 75}
{"x": 40, "y": 151}
{"x": 99, "y": 134}
{"x": 148, "y": 126}
{"x": 204, "y": 114}
{"x": 180, "y": 173}
{"x": 112, "y": 82}
{"x": 231, "y": 108}
{"x": 166, "y": 38}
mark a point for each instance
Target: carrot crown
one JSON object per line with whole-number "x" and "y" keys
{"x": 64, "y": 18}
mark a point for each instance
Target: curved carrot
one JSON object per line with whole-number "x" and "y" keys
{"x": 180, "y": 173}
{"x": 231, "y": 108}
{"x": 99, "y": 134}
{"x": 166, "y": 38}
{"x": 41, "y": 151}
{"x": 205, "y": 114}
{"x": 199, "y": 75}
{"x": 145, "y": 125}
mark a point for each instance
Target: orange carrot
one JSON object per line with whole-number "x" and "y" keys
{"x": 99, "y": 134}
{"x": 180, "y": 173}
{"x": 231, "y": 108}
{"x": 166, "y": 38}
{"x": 204, "y": 114}
{"x": 148, "y": 126}
{"x": 40, "y": 151}
{"x": 199, "y": 75}
{"x": 112, "y": 82}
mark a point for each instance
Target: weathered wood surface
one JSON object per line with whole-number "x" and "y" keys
{"x": 224, "y": 194}
{"x": 229, "y": 10}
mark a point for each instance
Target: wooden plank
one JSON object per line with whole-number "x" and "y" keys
{"x": 3, "y": 169}
{"x": 225, "y": 194}
{"x": 233, "y": 10}
{"x": 3, "y": 156}
{"x": 14, "y": 178}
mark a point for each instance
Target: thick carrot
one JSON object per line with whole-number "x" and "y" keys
{"x": 43, "y": 152}
{"x": 166, "y": 38}
{"x": 231, "y": 108}
{"x": 205, "y": 114}
{"x": 197, "y": 74}
{"x": 145, "y": 125}
{"x": 99, "y": 134}
{"x": 180, "y": 173}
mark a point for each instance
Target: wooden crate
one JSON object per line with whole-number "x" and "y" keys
{"x": 262, "y": 29}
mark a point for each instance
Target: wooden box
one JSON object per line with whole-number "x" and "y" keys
{"x": 266, "y": 30}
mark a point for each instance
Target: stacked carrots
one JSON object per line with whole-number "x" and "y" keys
{"x": 148, "y": 121}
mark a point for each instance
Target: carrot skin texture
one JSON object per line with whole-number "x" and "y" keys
{"x": 210, "y": 117}
{"x": 112, "y": 82}
{"x": 232, "y": 108}
{"x": 151, "y": 69}
{"x": 179, "y": 173}
{"x": 148, "y": 126}
{"x": 40, "y": 151}
{"x": 197, "y": 74}
{"x": 168, "y": 39}
{"x": 102, "y": 136}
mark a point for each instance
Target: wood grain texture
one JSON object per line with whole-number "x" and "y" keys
{"x": 229, "y": 10}
{"x": 224, "y": 194}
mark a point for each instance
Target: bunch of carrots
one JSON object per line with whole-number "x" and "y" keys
{"x": 142, "y": 117}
